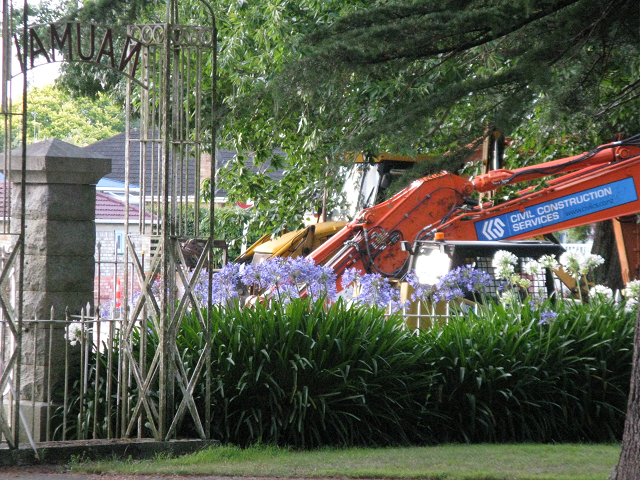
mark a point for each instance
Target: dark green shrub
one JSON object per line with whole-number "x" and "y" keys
{"x": 503, "y": 376}
{"x": 308, "y": 375}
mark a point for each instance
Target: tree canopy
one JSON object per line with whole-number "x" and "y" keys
{"x": 321, "y": 79}
{"x": 53, "y": 113}
{"x": 422, "y": 73}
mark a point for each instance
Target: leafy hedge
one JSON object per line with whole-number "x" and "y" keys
{"x": 305, "y": 376}
{"x": 308, "y": 375}
{"x": 502, "y": 376}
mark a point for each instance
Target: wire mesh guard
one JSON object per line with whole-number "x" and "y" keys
{"x": 538, "y": 289}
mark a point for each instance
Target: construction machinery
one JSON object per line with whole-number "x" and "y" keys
{"x": 291, "y": 244}
{"x": 598, "y": 185}
{"x": 363, "y": 188}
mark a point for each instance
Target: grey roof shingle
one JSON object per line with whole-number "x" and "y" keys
{"x": 114, "y": 148}
{"x": 224, "y": 156}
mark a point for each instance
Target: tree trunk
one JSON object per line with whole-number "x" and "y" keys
{"x": 604, "y": 244}
{"x": 629, "y": 463}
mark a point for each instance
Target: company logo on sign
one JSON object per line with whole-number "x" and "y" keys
{"x": 493, "y": 229}
{"x": 557, "y": 211}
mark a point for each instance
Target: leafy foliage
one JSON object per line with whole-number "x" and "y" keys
{"x": 465, "y": 64}
{"x": 309, "y": 376}
{"x": 306, "y": 375}
{"x": 53, "y": 113}
{"x": 505, "y": 376}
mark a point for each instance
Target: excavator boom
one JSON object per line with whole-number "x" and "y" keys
{"x": 592, "y": 187}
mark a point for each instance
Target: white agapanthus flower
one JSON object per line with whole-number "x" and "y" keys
{"x": 504, "y": 262}
{"x": 509, "y": 297}
{"x": 524, "y": 283}
{"x": 571, "y": 262}
{"x": 74, "y": 333}
{"x": 505, "y": 271}
{"x": 631, "y": 305}
{"x": 602, "y": 292}
{"x": 548, "y": 261}
{"x": 532, "y": 268}
{"x": 632, "y": 290}
{"x": 589, "y": 262}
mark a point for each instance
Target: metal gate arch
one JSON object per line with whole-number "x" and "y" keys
{"x": 164, "y": 67}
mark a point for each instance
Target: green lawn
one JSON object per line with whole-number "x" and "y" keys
{"x": 472, "y": 462}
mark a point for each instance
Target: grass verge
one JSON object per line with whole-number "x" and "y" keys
{"x": 450, "y": 462}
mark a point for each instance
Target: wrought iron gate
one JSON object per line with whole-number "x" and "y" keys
{"x": 170, "y": 70}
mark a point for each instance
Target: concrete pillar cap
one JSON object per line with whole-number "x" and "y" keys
{"x": 55, "y": 161}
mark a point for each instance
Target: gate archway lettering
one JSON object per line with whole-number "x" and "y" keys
{"x": 79, "y": 42}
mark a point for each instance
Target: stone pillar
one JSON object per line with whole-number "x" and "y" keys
{"x": 59, "y": 254}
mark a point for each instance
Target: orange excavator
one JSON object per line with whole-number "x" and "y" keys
{"x": 598, "y": 185}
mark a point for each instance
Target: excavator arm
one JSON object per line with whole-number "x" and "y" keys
{"x": 595, "y": 186}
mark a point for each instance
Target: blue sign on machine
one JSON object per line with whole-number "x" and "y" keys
{"x": 557, "y": 211}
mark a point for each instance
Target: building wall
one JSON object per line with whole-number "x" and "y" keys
{"x": 110, "y": 269}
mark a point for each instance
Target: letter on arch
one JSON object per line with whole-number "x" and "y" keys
{"x": 33, "y": 39}
{"x": 86, "y": 58}
{"x": 57, "y": 42}
{"x": 125, "y": 59}
{"x": 107, "y": 41}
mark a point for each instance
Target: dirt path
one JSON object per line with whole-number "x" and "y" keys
{"x": 57, "y": 472}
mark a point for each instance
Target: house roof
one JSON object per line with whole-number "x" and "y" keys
{"x": 224, "y": 156}
{"x": 114, "y": 148}
{"x": 108, "y": 207}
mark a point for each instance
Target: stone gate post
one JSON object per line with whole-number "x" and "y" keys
{"x": 59, "y": 255}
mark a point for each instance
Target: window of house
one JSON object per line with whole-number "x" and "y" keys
{"x": 119, "y": 241}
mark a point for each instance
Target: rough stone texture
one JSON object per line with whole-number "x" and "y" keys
{"x": 64, "y": 202}
{"x": 36, "y": 416}
{"x": 50, "y": 237}
{"x": 59, "y": 273}
{"x": 38, "y": 304}
{"x": 60, "y": 199}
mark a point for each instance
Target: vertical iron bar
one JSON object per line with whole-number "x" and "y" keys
{"x": 65, "y": 402}
{"x": 49, "y": 393}
{"x": 198, "y": 152}
{"x": 82, "y": 377}
{"x": 165, "y": 378}
{"x": 214, "y": 160}
{"x": 119, "y": 415}
{"x": 143, "y": 354}
{"x": 35, "y": 372}
{"x": 21, "y": 243}
{"x": 110, "y": 376}
{"x": 96, "y": 336}
{"x": 125, "y": 258}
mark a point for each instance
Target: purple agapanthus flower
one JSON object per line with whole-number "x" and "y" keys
{"x": 460, "y": 281}
{"x": 324, "y": 284}
{"x": 223, "y": 285}
{"x": 285, "y": 278}
{"x": 547, "y": 316}
{"x": 373, "y": 289}
{"x": 253, "y": 276}
{"x": 349, "y": 276}
{"x": 455, "y": 284}
{"x": 421, "y": 292}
